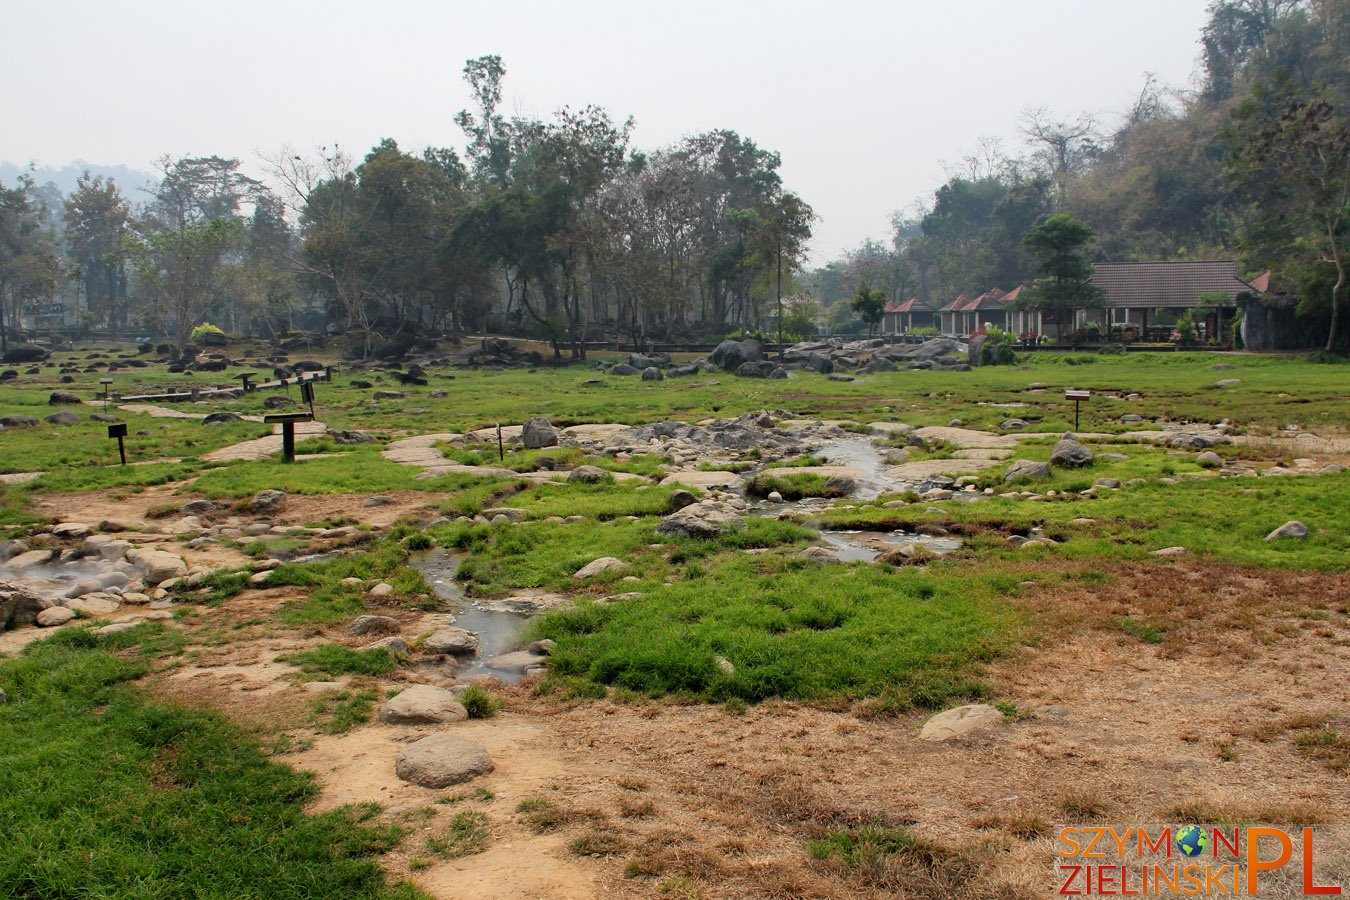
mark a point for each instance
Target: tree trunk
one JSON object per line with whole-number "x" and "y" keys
{"x": 1333, "y": 336}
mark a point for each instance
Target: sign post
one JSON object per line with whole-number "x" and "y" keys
{"x": 119, "y": 430}
{"x": 287, "y": 422}
{"x": 1077, "y": 397}
{"x": 107, "y": 384}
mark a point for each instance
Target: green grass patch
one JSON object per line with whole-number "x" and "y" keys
{"x": 467, "y": 835}
{"x": 138, "y": 786}
{"x": 335, "y": 659}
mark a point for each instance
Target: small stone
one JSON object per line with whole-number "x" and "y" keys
{"x": 115, "y": 628}
{"x": 596, "y": 567}
{"x": 422, "y": 704}
{"x": 960, "y": 721}
{"x": 259, "y": 579}
{"x": 381, "y": 591}
{"x": 588, "y": 475}
{"x": 395, "y": 645}
{"x": 1171, "y": 551}
{"x": 442, "y": 760}
{"x": 373, "y": 625}
{"x": 774, "y": 497}
{"x": 267, "y": 502}
{"x": 1291, "y": 529}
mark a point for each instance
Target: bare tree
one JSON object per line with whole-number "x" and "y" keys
{"x": 1065, "y": 143}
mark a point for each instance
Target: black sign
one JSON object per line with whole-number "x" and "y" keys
{"x": 118, "y": 430}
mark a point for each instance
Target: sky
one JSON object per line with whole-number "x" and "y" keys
{"x": 869, "y": 103}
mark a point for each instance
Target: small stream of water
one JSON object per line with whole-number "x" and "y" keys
{"x": 498, "y": 631}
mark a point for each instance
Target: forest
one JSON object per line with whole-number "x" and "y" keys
{"x": 560, "y": 229}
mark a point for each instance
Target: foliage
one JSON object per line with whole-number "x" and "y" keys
{"x": 998, "y": 348}
{"x": 1059, "y": 243}
{"x": 479, "y": 703}
{"x": 201, "y": 331}
{"x": 870, "y": 305}
{"x": 335, "y": 659}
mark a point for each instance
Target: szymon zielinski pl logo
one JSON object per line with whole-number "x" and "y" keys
{"x": 1190, "y": 860}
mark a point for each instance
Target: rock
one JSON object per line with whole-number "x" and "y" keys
{"x": 1070, "y": 454}
{"x": 388, "y": 395}
{"x": 25, "y": 354}
{"x": 840, "y": 485}
{"x": 1190, "y": 442}
{"x": 349, "y": 437}
{"x": 64, "y": 417}
{"x": 115, "y": 628}
{"x": 372, "y": 625}
{"x": 71, "y": 530}
{"x": 774, "y": 497}
{"x": 95, "y": 604}
{"x": 1227, "y": 382}
{"x": 760, "y": 369}
{"x": 1111, "y": 483}
{"x": 962, "y": 720}
{"x": 378, "y": 501}
{"x": 588, "y": 475}
{"x": 596, "y": 567}
{"x": 395, "y": 645}
{"x": 59, "y": 398}
{"x": 1209, "y": 460}
{"x": 623, "y": 369}
{"x": 441, "y": 760}
{"x": 220, "y": 418}
{"x": 679, "y": 499}
{"x": 276, "y": 401}
{"x": 538, "y": 433}
{"x": 267, "y": 502}
{"x": 724, "y": 666}
{"x": 451, "y": 642}
{"x": 820, "y": 363}
{"x": 731, "y": 355}
{"x": 381, "y": 591}
{"x": 509, "y": 513}
{"x": 1131, "y": 417}
{"x": 1013, "y": 424}
{"x": 519, "y": 661}
{"x": 840, "y": 377}
{"x": 1291, "y": 529}
{"x": 542, "y": 648}
{"x": 155, "y": 566}
{"x": 651, "y": 373}
{"x": 1170, "y": 551}
{"x": 19, "y": 605}
{"x": 18, "y": 421}
{"x": 260, "y": 579}
{"x": 819, "y": 554}
{"x": 56, "y": 615}
{"x": 701, "y": 520}
{"x": 422, "y": 704}
{"x": 1026, "y": 469}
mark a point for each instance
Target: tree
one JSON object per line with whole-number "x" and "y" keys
{"x": 181, "y": 268}
{"x": 1291, "y": 160}
{"x": 1059, "y": 244}
{"x": 29, "y": 265}
{"x": 97, "y": 225}
{"x": 870, "y": 305}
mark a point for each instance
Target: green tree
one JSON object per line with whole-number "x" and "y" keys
{"x": 97, "y": 224}
{"x": 1059, "y": 244}
{"x": 1291, "y": 160}
{"x": 181, "y": 269}
{"x": 870, "y": 305}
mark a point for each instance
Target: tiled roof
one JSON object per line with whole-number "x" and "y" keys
{"x": 1167, "y": 284}
{"x": 912, "y": 305}
{"x": 960, "y": 304}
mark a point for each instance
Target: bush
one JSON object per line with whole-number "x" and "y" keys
{"x": 998, "y": 348}
{"x": 206, "y": 333}
{"x": 479, "y": 703}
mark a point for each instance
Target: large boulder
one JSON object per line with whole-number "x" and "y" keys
{"x": 1027, "y": 469}
{"x": 64, "y": 417}
{"x": 60, "y": 398}
{"x": 372, "y": 625}
{"x": 267, "y": 503}
{"x": 975, "y": 349}
{"x": 651, "y": 373}
{"x": 1070, "y": 453}
{"x": 422, "y": 704}
{"x": 1290, "y": 529}
{"x": 760, "y": 369}
{"x": 731, "y": 355}
{"x": 441, "y": 760}
{"x": 25, "y": 354}
{"x": 701, "y": 520}
{"x": 538, "y": 432}
{"x": 19, "y": 605}
{"x": 821, "y": 363}
{"x": 16, "y": 421}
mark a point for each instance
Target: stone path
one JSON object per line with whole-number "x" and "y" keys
{"x": 163, "y": 412}
{"x": 20, "y": 477}
{"x": 263, "y": 447}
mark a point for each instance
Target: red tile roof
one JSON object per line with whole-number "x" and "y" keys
{"x": 912, "y": 305}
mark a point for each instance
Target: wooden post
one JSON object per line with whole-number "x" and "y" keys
{"x": 501, "y": 448}
{"x": 288, "y": 442}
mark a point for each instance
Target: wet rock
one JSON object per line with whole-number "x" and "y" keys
{"x": 371, "y": 624}
{"x": 960, "y": 721}
{"x": 588, "y": 475}
{"x": 774, "y": 497}
{"x": 840, "y": 485}
{"x": 1069, "y": 453}
{"x": 422, "y": 704}
{"x": 537, "y": 433}
{"x": 451, "y": 642}
{"x": 1290, "y": 529}
{"x": 442, "y": 760}
{"x": 542, "y": 648}
{"x": 1028, "y": 469}
{"x": 701, "y": 520}
{"x": 598, "y": 566}
{"x": 267, "y": 503}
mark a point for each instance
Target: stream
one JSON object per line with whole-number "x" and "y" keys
{"x": 498, "y": 631}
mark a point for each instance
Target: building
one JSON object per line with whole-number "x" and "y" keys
{"x": 1151, "y": 296}
{"x": 902, "y": 318}
{"x": 967, "y": 315}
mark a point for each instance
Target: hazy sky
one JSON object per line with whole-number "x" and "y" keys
{"x": 864, "y": 100}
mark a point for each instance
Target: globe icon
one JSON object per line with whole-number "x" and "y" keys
{"x": 1192, "y": 841}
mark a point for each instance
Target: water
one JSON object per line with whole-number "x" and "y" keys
{"x": 862, "y": 456}
{"x": 866, "y": 546}
{"x": 498, "y": 631}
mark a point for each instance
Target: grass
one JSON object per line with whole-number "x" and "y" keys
{"x": 539, "y": 814}
{"x": 793, "y": 486}
{"x": 467, "y": 835}
{"x": 328, "y": 600}
{"x": 138, "y": 785}
{"x": 479, "y": 703}
{"x": 343, "y": 711}
{"x": 334, "y": 660}
{"x": 792, "y": 629}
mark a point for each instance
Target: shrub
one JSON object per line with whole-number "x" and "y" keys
{"x": 206, "y": 333}
{"x": 479, "y": 703}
